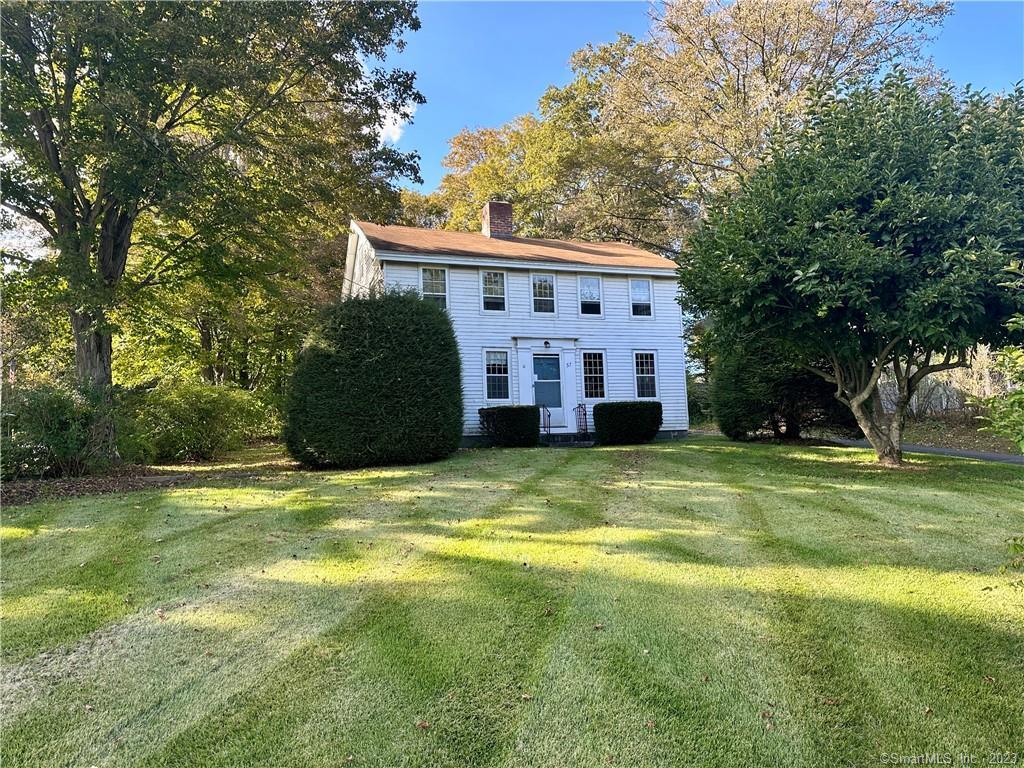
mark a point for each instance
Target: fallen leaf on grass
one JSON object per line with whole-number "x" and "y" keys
{"x": 423, "y": 725}
{"x": 599, "y": 626}
{"x": 649, "y": 725}
{"x": 928, "y": 711}
{"x": 526, "y": 697}
{"x": 989, "y": 679}
{"x": 160, "y": 613}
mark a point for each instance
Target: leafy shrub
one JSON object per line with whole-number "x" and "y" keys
{"x": 1005, "y": 414}
{"x": 49, "y": 431}
{"x": 698, "y": 400}
{"x": 759, "y": 388}
{"x": 188, "y": 420}
{"x": 378, "y": 382}
{"x": 511, "y": 426}
{"x": 627, "y": 423}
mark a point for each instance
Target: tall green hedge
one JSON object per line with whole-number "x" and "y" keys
{"x": 378, "y": 382}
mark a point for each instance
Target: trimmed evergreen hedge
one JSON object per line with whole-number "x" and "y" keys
{"x": 511, "y": 426}
{"x": 627, "y": 423}
{"x": 377, "y": 382}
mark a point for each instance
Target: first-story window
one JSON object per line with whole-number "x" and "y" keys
{"x": 493, "y": 286}
{"x": 646, "y": 374}
{"x": 593, "y": 375}
{"x": 435, "y": 285}
{"x": 640, "y": 297}
{"x": 543, "y": 293}
{"x": 496, "y": 366}
{"x": 590, "y": 295}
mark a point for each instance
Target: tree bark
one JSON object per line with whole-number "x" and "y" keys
{"x": 93, "y": 347}
{"x": 884, "y": 431}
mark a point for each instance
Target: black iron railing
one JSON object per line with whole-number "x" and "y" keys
{"x": 582, "y": 427}
{"x": 545, "y": 420}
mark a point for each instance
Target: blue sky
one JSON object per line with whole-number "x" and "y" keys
{"x": 482, "y": 63}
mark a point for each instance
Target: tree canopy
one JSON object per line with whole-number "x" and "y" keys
{"x": 156, "y": 143}
{"x": 649, "y": 130}
{"x": 876, "y": 237}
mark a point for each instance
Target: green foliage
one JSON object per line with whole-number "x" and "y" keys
{"x": 627, "y": 422}
{"x": 49, "y": 431}
{"x": 698, "y": 399}
{"x": 189, "y": 420}
{"x": 1005, "y": 414}
{"x": 511, "y": 426}
{"x": 875, "y": 237}
{"x": 156, "y": 142}
{"x": 759, "y": 388}
{"x": 378, "y": 382}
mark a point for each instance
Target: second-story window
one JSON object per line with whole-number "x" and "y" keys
{"x": 640, "y": 297}
{"x": 435, "y": 285}
{"x": 493, "y": 285}
{"x": 590, "y": 295}
{"x": 543, "y": 293}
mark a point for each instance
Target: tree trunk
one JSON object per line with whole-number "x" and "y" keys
{"x": 884, "y": 431}
{"x": 93, "y": 345}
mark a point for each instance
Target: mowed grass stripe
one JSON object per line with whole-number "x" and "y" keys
{"x": 694, "y": 603}
{"x": 136, "y": 683}
{"x": 450, "y": 645}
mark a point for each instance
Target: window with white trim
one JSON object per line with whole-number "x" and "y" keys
{"x": 434, "y": 281}
{"x": 590, "y": 295}
{"x": 496, "y": 369}
{"x": 493, "y": 287}
{"x": 646, "y": 374}
{"x": 543, "y": 287}
{"x": 593, "y": 375}
{"x": 640, "y": 297}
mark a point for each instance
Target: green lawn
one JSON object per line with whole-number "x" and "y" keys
{"x": 695, "y": 603}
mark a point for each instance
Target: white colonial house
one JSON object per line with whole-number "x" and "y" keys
{"x": 561, "y": 324}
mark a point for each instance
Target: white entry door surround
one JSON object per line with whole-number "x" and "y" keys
{"x": 539, "y": 361}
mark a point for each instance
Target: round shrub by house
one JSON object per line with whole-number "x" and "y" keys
{"x": 627, "y": 423}
{"x": 378, "y": 382}
{"x": 511, "y": 426}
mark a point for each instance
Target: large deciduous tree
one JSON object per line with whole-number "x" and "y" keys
{"x": 874, "y": 239}
{"x": 159, "y": 141}
{"x": 648, "y": 129}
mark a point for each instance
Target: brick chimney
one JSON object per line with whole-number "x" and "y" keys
{"x": 497, "y": 221}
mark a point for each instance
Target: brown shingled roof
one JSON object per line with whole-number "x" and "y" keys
{"x": 474, "y": 245}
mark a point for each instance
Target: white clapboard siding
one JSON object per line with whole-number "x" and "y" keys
{"x": 616, "y": 333}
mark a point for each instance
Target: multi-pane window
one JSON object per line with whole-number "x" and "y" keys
{"x": 496, "y": 367}
{"x": 593, "y": 375}
{"x": 640, "y": 297}
{"x": 590, "y": 295}
{"x": 646, "y": 376}
{"x": 543, "y": 293}
{"x": 435, "y": 286}
{"x": 494, "y": 291}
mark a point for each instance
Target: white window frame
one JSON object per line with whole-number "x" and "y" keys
{"x": 504, "y": 278}
{"x": 636, "y": 384}
{"x": 554, "y": 295}
{"x": 447, "y": 283}
{"x": 604, "y": 373}
{"x": 650, "y": 284}
{"x": 579, "y": 294}
{"x": 508, "y": 375}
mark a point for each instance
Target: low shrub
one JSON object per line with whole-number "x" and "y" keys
{"x": 511, "y": 426}
{"x": 188, "y": 420}
{"x": 627, "y": 423}
{"x": 49, "y": 431}
{"x": 377, "y": 382}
